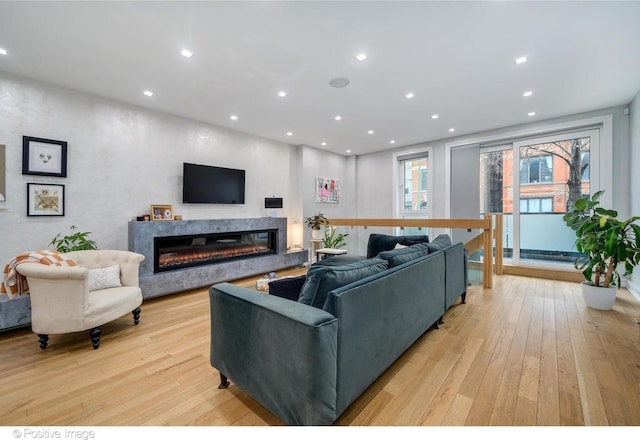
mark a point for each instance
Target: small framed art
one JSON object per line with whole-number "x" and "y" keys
{"x": 44, "y": 157}
{"x": 45, "y": 199}
{"x": 161, "y": 213}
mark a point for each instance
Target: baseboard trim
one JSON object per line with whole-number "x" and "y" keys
{"x": 633, "y": 288}
{"x": 548, "y": 274}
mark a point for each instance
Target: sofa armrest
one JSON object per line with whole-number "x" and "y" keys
{"x": 280, "y": 352}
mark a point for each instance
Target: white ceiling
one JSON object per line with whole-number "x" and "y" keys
{"x": 456, "y": 57}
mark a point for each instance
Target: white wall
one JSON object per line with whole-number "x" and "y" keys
{"x": 318, "y": 163}
{"x": 634, "y": 165}
{"x": 121, "y": 159}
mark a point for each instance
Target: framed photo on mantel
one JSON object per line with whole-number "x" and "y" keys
{"x": 44, "y": 157}
{"x": 161, "y": 213}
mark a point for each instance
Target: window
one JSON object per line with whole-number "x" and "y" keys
{"x": 536, "y": 169}
{"x": 536, "y": 205}
{"x": 415, "y": 186}
{"x": 412, "y": 177}
{"x": 585, "y": 165}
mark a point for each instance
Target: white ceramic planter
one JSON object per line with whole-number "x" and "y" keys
{"x": 601, "y": 298}
{"x": 317, "y": 234}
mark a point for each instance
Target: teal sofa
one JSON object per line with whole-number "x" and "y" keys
{"x": 307, "y": 363}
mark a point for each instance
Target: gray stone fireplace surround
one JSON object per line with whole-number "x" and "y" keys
{"x": 141, "y": 240}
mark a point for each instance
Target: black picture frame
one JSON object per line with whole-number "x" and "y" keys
{"x": 45, "y": 200}
{"x": 44, "y": 157}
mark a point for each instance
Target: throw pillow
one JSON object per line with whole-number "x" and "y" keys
{"x": 381, "y": 242}
{"x": 397, "y": 257}
{"x": 441, "y": 242}
{"x": 104, "y": 278}
{"x": 323, "y": 279}
{"x": 289, "y": 287}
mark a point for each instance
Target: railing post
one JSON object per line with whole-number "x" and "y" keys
{"x": 488, "y": 255}
{"x": 499, "y": 244}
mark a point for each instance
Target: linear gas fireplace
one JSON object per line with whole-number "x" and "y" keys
{"x": 183, "y": 251}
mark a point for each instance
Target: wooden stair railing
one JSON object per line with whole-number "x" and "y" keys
{"x": 482, "y": 241}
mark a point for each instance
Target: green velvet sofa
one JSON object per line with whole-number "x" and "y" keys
{"x": 307, "y": 363}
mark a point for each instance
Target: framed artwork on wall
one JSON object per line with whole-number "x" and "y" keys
{"x": 45, "y": 199}
{"x": 44, "y": 157}
{"x": 161, "y": 213}
{"x": 327, "y": 190}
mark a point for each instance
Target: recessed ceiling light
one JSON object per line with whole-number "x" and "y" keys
{"x": 339, "y": 82}
{"x": 282, "y": 93}
{"x": 521, "y": 60}
{"x": 409, "y": 95}
{"x": 528, "y": 93}
{"x": 451, "y": 130}
{"x": 361, "y": 57}
{"x": 337, "y": 117}
{"x": 186, "y": 53}
{"x": 348, "y": 151}
{"x": 392, "y": 141}
{"x": 233, "y": 117}
{"x": 370, "y": 132}
{"x": 3, "y": 51}
{"x": 324, "y": 144}
{"x": 531, "y": 114}
{"x": 434, "y": 116}
{"x": 148, "y": 93}
{"x": 289, "y": 133}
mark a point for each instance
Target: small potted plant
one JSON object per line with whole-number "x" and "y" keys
{"x": 315, "y": 222}
{"x": 603, "y": 242}
{"x": 332, "y": 239}
{"x": 77, "y": 241}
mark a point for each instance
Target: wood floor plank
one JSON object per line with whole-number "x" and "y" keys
{"x": 527, "y": 352}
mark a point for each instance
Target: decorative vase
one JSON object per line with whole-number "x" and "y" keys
{"x": 600, "y": 298}
{"x": 316, "y": 234}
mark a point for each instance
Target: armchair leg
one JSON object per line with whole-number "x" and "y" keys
{"x": 95, "y": 337}
{"x": 136, "y": 316}
{"x": 464, "y": 298}
{"x": 44, "y": 340}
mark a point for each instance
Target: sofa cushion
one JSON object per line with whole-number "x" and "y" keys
{"x": 289, "y": 287}
{"x": 400, "y": 256}
{"x": 323, "y": 279}
{"x": 339, "y": 260}
{"x": 380, "y": 242}
{"x": 441, "y": 242}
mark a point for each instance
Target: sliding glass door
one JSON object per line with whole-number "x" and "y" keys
{"x": 550, "y": 174}
{"x": 532, "y": 183}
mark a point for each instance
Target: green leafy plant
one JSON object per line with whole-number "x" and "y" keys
{"x": 332, "y": 239}
{"x": 603, "y": 241}
{"x": 77, "y": 241}
{"x": 316, "y": 221}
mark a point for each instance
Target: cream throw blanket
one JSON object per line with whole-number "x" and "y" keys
{"x": 14, "y": 284}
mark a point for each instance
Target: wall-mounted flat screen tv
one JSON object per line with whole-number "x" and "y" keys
{"x": 209, "y": 184}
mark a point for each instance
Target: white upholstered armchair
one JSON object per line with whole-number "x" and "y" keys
{"x": 101, "y": 288}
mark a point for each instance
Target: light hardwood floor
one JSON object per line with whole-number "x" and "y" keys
{"x": 527, "y": 352}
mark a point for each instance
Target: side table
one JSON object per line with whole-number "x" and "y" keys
{"x": 328, "y": 252}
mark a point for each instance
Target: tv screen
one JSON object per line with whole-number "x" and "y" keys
{"x": 209, "y": 184}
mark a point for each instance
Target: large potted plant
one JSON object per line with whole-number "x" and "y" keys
{"x": 315, "y": 222}
{"x": 603, "y": 242}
